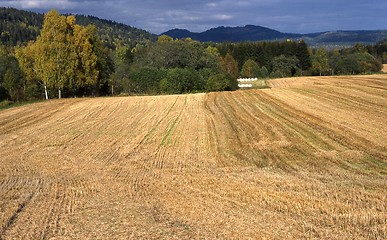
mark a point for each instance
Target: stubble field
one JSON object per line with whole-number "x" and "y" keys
{"x": 304, "y": 159}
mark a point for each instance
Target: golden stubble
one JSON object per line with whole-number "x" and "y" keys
{"x": 305, "y": 159}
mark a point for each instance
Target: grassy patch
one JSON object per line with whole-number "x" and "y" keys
{"x": 9, "y": 104}
{"x": 259, "y": 84}
{"x": 5, "y": 104}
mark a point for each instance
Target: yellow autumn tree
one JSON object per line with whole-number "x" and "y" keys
{"x": 229, "y": 66}
{"x": 64, "y": 54}
{"x": 86, "y": 71}
{"x": 250, "y": 69}
{"x": 26, "y": 58}
{"x": 55, "y": 57}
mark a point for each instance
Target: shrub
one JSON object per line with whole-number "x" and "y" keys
{"x": 276, "y": 74}
{"x": 263, "y": 72}
{"x": 4, "y": 95}
{"x": 5, "y": 103}
{"x": 181, "y": 80}
{"x": 145, "y": 80}
{"x": 221, "y": 82}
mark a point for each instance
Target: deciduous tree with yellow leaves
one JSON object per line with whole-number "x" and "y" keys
{"x": 64, "y": 54}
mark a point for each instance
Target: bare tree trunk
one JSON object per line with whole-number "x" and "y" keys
{"x": 45, "y": 91}
{"x": 59, "y": 93}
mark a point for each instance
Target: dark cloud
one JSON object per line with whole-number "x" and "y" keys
{"x": 299, "y": 16}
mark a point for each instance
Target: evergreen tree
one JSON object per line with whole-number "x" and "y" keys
{"x": 11, "y": 78}
{"x": 303, "y": 56}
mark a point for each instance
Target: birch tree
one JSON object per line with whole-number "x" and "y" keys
{"x": 64, "y": 55}
{"x": 55, "y": 57}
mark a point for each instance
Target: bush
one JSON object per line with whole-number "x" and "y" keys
{"x": 276, "y": 74}
{"x": 145, "y": 80}
{"x": 356, "y": 63}
{"x": 33, "y": 91}
{"x": 221, "y": 82}
{"x": 4, "y": 95}
{"x": 181, "y": 80}
{"x": 165, "y": 86}
{"x": 206, "y": 73}
{"x": 263, "y": 72}
{"x": 5, "y": 103}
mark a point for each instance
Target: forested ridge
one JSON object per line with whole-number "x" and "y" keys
{"x": 72, "y": 56}
{"x": 329, "y": 39}
{"x": 19, "y": 27}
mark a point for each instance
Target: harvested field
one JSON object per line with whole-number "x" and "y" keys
{"x": 305, "y": 159}
{"x": 384, "y": 68}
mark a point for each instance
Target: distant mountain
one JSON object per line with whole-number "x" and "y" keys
{"x": 18, "y": 26}
{"x": 182, "y": 33}
{"x": 232, "y": 34}
{"x": 258, "y": 33}
{"x": 346, "y": 37}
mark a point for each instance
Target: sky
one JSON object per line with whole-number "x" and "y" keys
{"x": 291, "y": 16}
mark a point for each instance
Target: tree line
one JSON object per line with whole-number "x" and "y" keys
{"x": 68, "y": 59}
{"x": 171, "y": 66}
{"x": 290, "y": 58}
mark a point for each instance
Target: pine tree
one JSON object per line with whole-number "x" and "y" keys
{"x": 303, "y": 56}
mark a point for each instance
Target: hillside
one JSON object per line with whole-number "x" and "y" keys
{"x": 232, "y": 34}
{"x": 18, "y": 26}
{"x": 306, "y": 159}
{"x": 258, "y": 33}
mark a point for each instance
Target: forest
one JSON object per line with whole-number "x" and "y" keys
{"x": 75, "y": 56}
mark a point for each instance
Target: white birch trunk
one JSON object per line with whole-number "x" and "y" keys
{"x": 45, "y": 91}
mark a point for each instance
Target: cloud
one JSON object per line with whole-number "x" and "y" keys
{"x": 222, "y": 17}
{"x": 212, "y": 5}
{"x": 300, "y": 16}
{"x": 42, "y": 4}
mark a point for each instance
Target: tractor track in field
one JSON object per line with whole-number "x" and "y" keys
{"x": 11, "y": 220}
